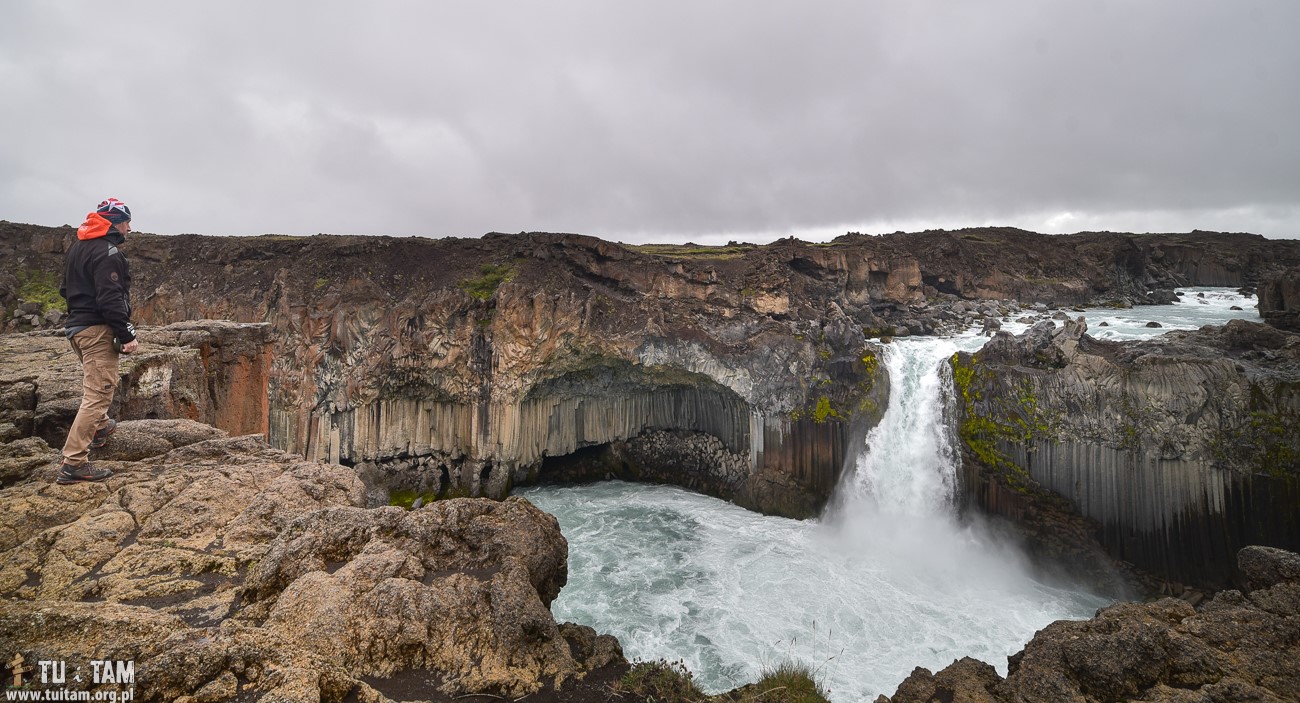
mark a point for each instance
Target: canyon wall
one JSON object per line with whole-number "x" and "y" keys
{"x": 466, "y": 366}
{"x": 456, "y": 367}
{"x": 1181, "y": 449}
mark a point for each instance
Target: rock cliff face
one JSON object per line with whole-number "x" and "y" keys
{"x": 229, "y": 570}
{"x": 1189, "y": 439}
{"x": 463, "y": 367}
{"x": 1237, "y": 647}
{"x": 1279, "y": 300}
{"x": 210, "y": 371}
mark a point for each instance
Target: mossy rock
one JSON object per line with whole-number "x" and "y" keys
{"x": 490, "y": 278}
{"x": 1004, "y": 418}
{"x": 406, "y": 498}
{"x": 41, "y": 287}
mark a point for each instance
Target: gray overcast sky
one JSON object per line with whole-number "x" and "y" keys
{"x": 653, "y": 121}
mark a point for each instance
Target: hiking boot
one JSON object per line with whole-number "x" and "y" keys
{"x": 81, "y": 473}
{"x": 101, "y": 436}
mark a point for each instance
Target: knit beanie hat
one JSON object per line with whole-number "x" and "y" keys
{"x": 114, "y": 211}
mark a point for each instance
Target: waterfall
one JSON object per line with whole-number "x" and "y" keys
{"x": 908, "y": 464}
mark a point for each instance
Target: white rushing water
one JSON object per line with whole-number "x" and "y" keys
{"x": 1191, "y": 312}
{"x": 887, "y": 581}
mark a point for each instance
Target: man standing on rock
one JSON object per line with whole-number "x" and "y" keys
{"x": 97, "y": 286}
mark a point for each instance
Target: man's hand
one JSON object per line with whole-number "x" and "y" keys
{"x": 130, "y": 346}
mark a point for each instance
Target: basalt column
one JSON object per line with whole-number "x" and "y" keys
{"x": 1180, "y": 450}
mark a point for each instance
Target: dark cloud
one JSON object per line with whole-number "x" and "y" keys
{"x": 647, "y": 120}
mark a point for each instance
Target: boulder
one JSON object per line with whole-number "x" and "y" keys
{"x": 134, "y": 440}
{"x": 967, "y": 680}
{"x": 20, "y": 457}
{"x": 1163, "y": 296}
{"x": 1265, "y": 567}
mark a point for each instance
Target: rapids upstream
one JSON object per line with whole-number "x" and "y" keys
{"x": 885, "y": 581}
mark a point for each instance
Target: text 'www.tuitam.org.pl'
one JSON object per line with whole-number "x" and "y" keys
{"x": 49, "y": 680}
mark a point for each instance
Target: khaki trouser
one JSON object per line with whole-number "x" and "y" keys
{"x": 94, "y": 346}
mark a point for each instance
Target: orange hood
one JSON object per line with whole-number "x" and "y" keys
{"x": 95, "y": 226}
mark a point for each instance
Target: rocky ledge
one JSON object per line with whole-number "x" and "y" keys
{"x": 1189, "y": 439}
{"x": 1236, "y": 647}
{"x": 229, "y": 570}
{"x": 210, "y": 371}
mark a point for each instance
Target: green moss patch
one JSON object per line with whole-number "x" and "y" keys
{"x": 490, "y": 277}
{"x": 405, "y": 499}
{"x": 819, "y": 411}
{"x": 823, "y": 410}
{"x": 987, "y": 421}
{"x": 41, "y": 287}
{"x": 1263, "y": 442}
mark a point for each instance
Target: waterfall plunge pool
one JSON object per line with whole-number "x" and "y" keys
{"x": 676, "y": 575}
{"x": 885, "y": 582}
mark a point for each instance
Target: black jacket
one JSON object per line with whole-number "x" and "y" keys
{"x": 97, "y": 285}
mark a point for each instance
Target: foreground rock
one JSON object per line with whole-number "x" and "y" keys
{"x": 1237, "y": 647}
{"x": 1189, "y": 439}
{"x": 226, "y": 568}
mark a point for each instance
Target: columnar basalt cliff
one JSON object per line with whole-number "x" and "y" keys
{"x": 463, "y": 367}
{"x": 1189, "y": 439}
